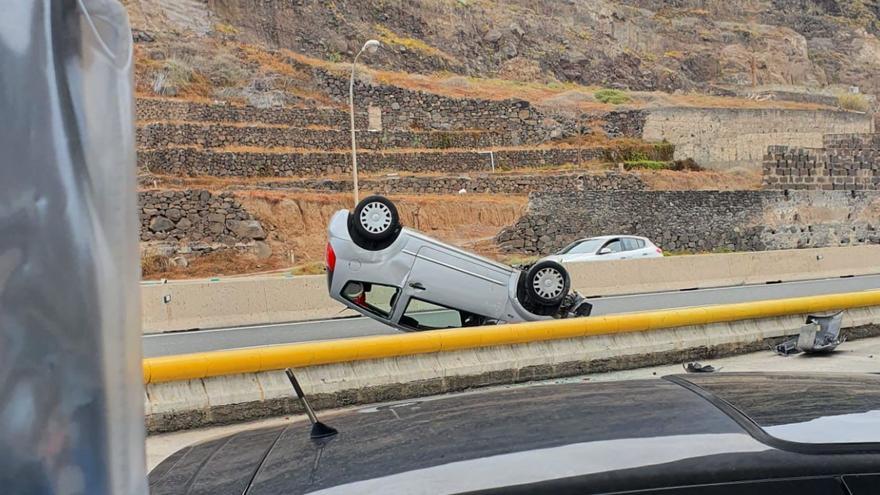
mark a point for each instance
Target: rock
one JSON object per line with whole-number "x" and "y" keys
{"x": 493, "y": 36}
{"x": 173, "y": 214}
{"x": 179, "y": 261}
{"x": 262, "y": 250}
{"x": 164, "y": 250}
{"x": 516, "y": 29}
{"x": 184, "y": 224}
{"x": 141, "y": 36}
{"x": 247, "y": 229}
{"x": 217, "y": 217}
{"x": 161, "y": 224}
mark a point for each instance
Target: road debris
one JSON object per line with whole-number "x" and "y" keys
{"x": 696, "y": 367}
{"x": 821, "y": 334}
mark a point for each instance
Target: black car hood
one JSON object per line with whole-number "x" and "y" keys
{"x": 602, "y": 435}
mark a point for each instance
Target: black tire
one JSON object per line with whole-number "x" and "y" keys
{"x": 547, "y": 283}
{"x": 374, "y": 224}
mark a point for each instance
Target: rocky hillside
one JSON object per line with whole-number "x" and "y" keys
{"x": 701, "y": 45}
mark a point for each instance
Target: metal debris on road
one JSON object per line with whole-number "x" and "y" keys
{"x": 696, "y": 367}
{"x": 821, "y": 334}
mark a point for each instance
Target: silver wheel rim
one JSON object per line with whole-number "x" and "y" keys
{"x": 375, "y": 217}
{"x": 548, "y": 283}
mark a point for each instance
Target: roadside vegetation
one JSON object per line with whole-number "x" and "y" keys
{"x": 674, "y": 165}
{"x": 612, "y": 96}
{"x": 853, "y": 101}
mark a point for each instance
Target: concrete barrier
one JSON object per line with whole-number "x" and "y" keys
{"x": 217, "y": 388}
{"x": 187, "y": 305}
{"x": 269, "y": 358}
{"x": 716, "y": 270}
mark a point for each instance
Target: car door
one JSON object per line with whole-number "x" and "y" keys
{"x": 456, "y": 281}
{"x": 616, "y": 247}
{"x": 640, "y": 248}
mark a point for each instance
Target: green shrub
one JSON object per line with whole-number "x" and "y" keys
{"x": 646, "y": 165}
{"x": 686, "y": 164}
{"x": 677, "y": 165}
{"x": 612, "y": 96}
{"x": 664, "y": 151}
{"x": 853, "y": 101}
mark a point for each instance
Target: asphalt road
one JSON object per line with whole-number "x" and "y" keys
{"x": 283, "y": 333}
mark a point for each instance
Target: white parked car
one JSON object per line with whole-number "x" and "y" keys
{"x": 608, "y": 247}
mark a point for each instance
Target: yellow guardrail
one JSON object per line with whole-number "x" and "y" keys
{"x": 251, "y": 360}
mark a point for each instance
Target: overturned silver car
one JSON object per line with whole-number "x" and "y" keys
{"x": 410, "y": 281}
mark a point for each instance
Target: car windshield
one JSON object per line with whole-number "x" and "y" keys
{"x": 582, "y": 247}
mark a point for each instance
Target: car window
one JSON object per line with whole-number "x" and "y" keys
{"x": 640, "y": 243}
{"x": 630, "y": 244}
{"x": 375, "y": 298}
{"x": 424, "y": 315}
{"x": 587, "y": 246}
{"x": 615, "y": 246}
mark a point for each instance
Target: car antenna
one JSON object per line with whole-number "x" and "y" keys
{"x": 319, "y": 429}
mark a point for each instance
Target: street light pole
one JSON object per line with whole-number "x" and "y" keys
{"x": 370, "y": 46}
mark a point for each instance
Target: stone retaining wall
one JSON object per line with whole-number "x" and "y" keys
{"x": 847, "y": 162}
{"x": 172, "y": 110}
{"x": 161, "y": 135}
{"x": 404, "y": 109}
{"x": 625, "y": 123}
{"x": 195, "y": 221}
{"x": 191, "y": 161}
{"x": 497, "y": 184}
{"x": 699, "y": 220}
{"x": 722, "y": 138}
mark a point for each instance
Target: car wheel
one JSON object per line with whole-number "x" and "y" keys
{"x": 374, "y": 223}
{"x": 547, "y": 283}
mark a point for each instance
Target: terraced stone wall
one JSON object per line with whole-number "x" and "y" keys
{"x": 172, "y": 110}
{"x": 846, "y": 162}
{"x": 484, "y": 183}
{"x": 725, "y": 138}
{"x": 196, "y": 221}
{"x": 161, "y": 135}
{"x": 404, "y": 109}
{"x": 190, "y": 161}
{"x": 699, "y": 220}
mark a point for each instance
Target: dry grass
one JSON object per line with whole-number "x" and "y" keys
{"x": 537, "y": 93}
{"x": 297, "y": 222}
{"x": 216, "y": 264}
{"x": 389, "y": 37}
{"x": 707, "y": 101}
{"x": 853, "y": 101}
{"x": 707, "y": 180}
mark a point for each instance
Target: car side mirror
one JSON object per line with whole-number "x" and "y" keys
{"x": 605, "y": 250}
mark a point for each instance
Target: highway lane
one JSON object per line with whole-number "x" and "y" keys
{"x": 282, "y": 333}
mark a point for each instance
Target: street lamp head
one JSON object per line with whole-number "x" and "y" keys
{"x": 371, "y": 46}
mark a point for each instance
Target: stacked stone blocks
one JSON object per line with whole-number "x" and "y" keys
{"x": 846, "y": 162}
